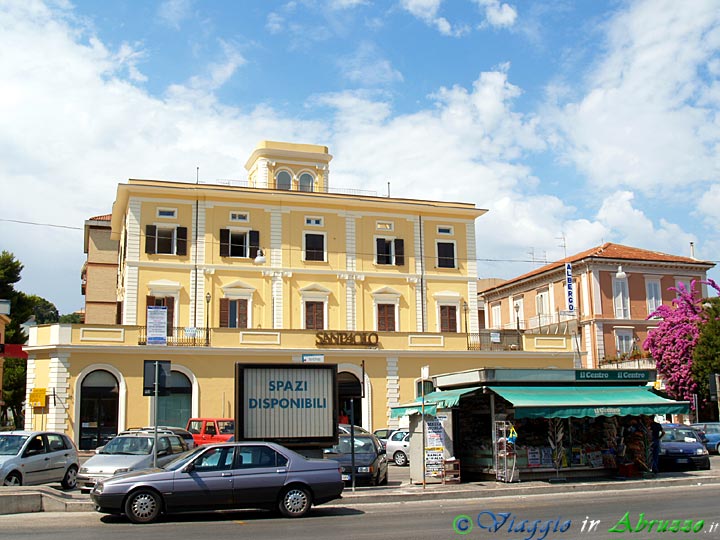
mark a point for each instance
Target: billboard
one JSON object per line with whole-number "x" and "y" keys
{"x": 293, "y": 404}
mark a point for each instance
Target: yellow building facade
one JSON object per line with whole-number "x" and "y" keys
{"x": 277, "y": 268}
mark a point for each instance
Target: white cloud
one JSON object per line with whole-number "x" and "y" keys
{"x": 498, "y": 14}
{"x": 643, "y": 122}
{"x": 174, "y": 12}
{"x": 427, "y": 11}
{"x": 346, "y": 4}
{"x": 367, "y": 68}
{"x": 274, "y": 23}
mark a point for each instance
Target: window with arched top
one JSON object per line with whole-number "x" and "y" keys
{"x": 283, "y": 180}
{"x": 306, "y": 182}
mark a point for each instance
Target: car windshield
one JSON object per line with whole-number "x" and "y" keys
{"x": 679, "y": 435}
{"x": 363, "y": 445}
{"x": 711, "y": 428}
{"x": 10, "y": 444}
{"x": 137, "y": 446}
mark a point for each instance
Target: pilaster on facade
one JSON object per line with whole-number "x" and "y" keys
{"x": 58, "y": 392}
{"x": 392, "y": 384}
{"x": 599, "y": 343}
{"x": 197, "y": 258}
{"x": 420, "y": 290}
{"x": 130, "y": 301}
{"x": 30, "y": 376}
{"x": 277, "y": 300}
{"x": 262, "y": 178}
{"x": 132, "y": 257}
{"x": 350, "y": 243}
{"x": 276, "y": 238}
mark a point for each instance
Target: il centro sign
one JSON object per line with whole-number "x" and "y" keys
{"x": 612, "y": 375}
{"x": 347, "y": 339}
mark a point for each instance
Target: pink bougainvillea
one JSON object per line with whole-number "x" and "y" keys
{"x": 672, "y": 343}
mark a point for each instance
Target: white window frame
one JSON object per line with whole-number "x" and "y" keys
{"x": 241, "y": 291}
{"x": 415, "y": 387}
{"x": 385, "y": 226}
{"x": 496, "y": 315}
{"x": 325, "y": 246}
{"x": 542, "y": 306}
{"x": 437, "y": 254}
{"x": 387, "y": 298}
{"x": 624, "y": 339}
{"x": 159, "y": 213}
{"x": 246, "y": 232}
{"x": 621, "y": 298}
{"x": 450, "y": 230}
{"x": 458, "y": 313}
{"x": 292, "y": 178}
{"x": 314, "y": 296}
{"x": 391, "y": 239}
{"x": 313, "y": 178}
{"x": 314, "y": 221}
{"x": 173, "y": 241}
{"x": 237, "y": 216}
{"x": 652, "y": 286}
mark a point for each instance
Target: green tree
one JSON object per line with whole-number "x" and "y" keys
{"x": 10, "y": 270}
{"x": 71, "y": 318}
{"x": 44, "y": 311}
{"x": 706, "y": 357}
{"x": 14, "y": 377}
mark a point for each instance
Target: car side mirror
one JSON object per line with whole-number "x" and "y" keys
{"x": 190, "y": 467}
{"x": 163, "y": 453}
{"x": 99, "y": 449}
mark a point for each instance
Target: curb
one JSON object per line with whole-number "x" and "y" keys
{"x": 22, "y": 500}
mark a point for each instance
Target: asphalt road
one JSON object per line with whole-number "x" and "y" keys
{"x": 416, "y": 521}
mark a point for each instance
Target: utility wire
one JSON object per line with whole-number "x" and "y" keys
{"x": 42, "y": 224}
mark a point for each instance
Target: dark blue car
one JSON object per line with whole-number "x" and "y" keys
{"x": 680, "y": 448}
{"x": 711, "y": 430}
{"x": 371, "y": 465}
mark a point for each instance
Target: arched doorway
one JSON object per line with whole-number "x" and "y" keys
{"x": 98, "y": 409}
{"x": 350, "y": 396}
{"x": 175, "y": 408}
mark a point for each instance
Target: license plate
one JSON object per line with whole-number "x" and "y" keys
{"x": 345, "y": 477}
{"x": 682, "y": 460}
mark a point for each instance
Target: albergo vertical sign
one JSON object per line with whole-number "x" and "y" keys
{"x": 569, "y": 287}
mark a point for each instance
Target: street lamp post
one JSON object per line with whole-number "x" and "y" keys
{"x": 207, "y": 320}
{"x": 517, "y": 322}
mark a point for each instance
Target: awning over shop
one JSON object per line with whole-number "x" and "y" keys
{"x": 442, "y": 399}
{"x": 586, "y": 401}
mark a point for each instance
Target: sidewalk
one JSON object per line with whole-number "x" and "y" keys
{"x": 17, "y": 500}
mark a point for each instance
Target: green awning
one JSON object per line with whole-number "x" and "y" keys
{"x": 587, "y": 401}
{"x": 442, "y": 399}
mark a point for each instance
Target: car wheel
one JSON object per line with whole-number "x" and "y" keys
{"x": 70, "y": 479}
{"x": 13, "y": 479}
{"x": 717, "y": 448}
{"x": 400, "y": 459}
{"x": 295, "y": 502}
{"x": 142, "y": 506}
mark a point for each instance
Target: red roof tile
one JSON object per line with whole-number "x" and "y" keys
{"x": 609, "y": 251}
{"x": 105, "y": 217}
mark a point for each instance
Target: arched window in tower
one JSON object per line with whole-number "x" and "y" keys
{"x": 283, "y": 180}
{"x": 306, "y": 182}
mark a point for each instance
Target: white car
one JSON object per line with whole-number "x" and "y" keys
{"x": 129, "y": 451}
{"x": 398, "y": 447}
{"x": 37, "y": 457}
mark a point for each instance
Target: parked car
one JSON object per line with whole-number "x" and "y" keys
{"x": 37, "y": 457}
{"x": 370, "y": 461}
{"x": 223, "y": 476}
{"x": 129, "y": 451}
{"x": 345, "y": 429}
{"x": 398, "y": 447}
{"x": 184, "y": 434}
{"x": 680, "y": 447}
{"x": 211, "y": 430}
{"x": 711, "y": 430}
{"x": 382, "y": 434}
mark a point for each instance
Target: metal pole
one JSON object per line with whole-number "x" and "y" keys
{"x": 717, "y": 389}
{"x": 352, "y": 442}
{"x": 155, "y": 404}
{"x": 422, "y": 420}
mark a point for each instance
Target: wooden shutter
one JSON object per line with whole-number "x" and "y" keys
{"x": 224, "y": 309}
{"x": 242, "y": 310}
{"x": 150, "y": 238}
{"x": 380, "y": 251}
{"x": 170, "y": 304}
{"x": 399, "y": 252}
{"x": 181, "y": 239}
{"x": 254, "y": 241}
{"x": 224, "y": 244}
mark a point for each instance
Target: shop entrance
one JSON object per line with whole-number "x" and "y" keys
{"x": 98, "y": 409}
{"x": 349, "y": 398}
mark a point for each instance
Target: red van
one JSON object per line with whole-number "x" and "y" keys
{"x": 211, "y": 430}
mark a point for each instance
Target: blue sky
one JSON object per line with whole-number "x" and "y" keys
{"x": 592, "y": 121}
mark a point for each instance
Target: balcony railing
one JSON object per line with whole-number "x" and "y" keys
{"x": 495, "y": 340}
{"x": 181, "y": 337}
